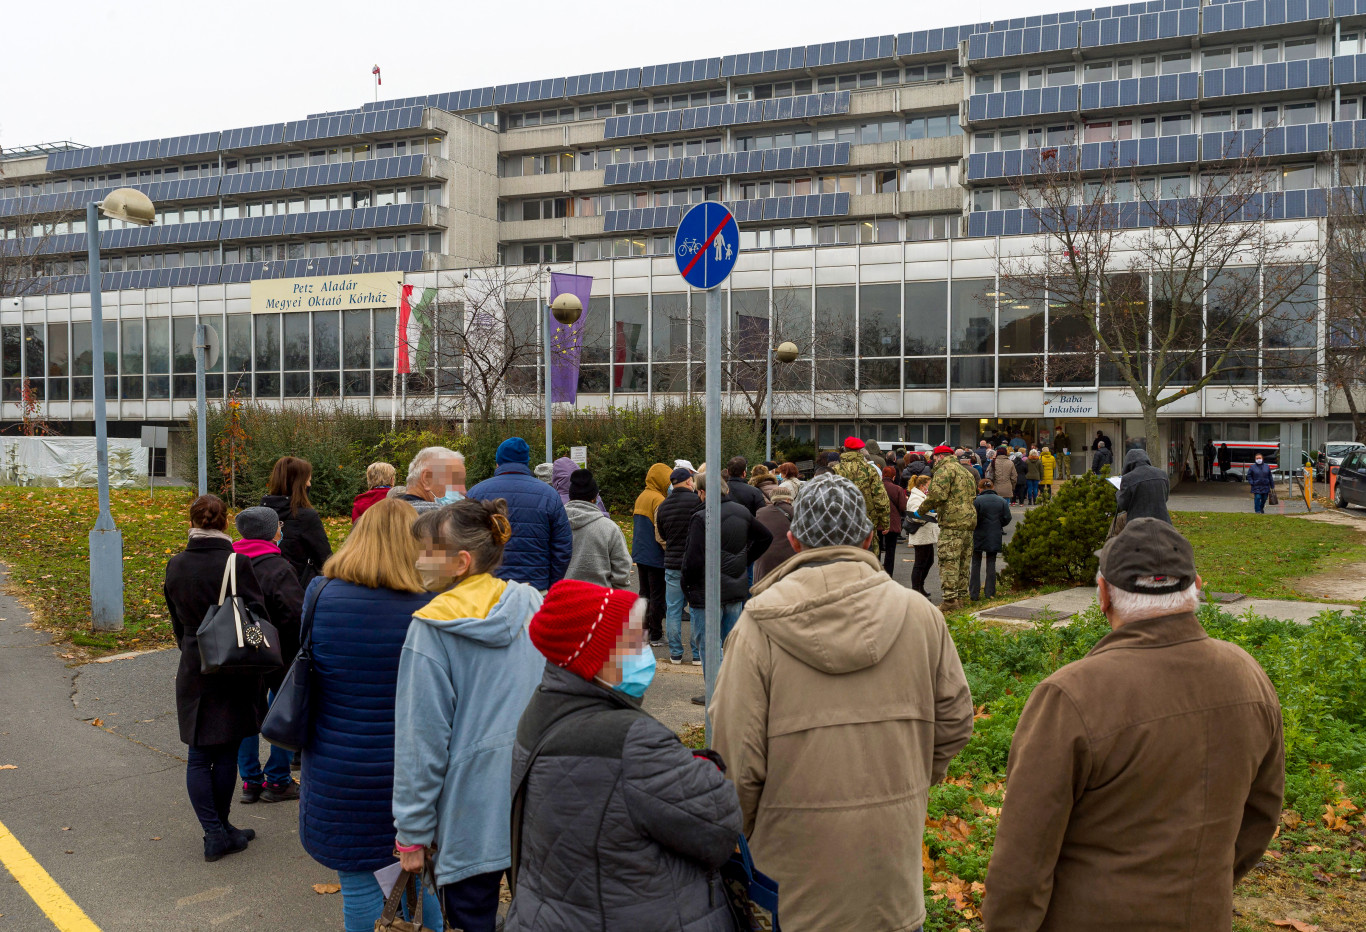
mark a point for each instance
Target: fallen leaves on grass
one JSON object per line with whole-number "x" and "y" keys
{"x": 1335, "y": 815}
{"x": 1295, "y": 924}
{"x": 98, "y": 723}
{"x": 322, "y": 889}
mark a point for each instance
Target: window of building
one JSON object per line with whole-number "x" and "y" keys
{"x": 1010, "y": 80}
{"x": 1058, "y": 75}
{"x": 1299, "y": 49}
{"x": 1176, "y": 62}
{"x": 1216, "y": 58}
{"x": 1297, "y": 177}
{"x": 983, "y": 83}
{"x": 1295, "y": 114}
{"x": 1147, "y": 66}
{"x": 1176, "y": 124}
{"x": 1098, "y": 71}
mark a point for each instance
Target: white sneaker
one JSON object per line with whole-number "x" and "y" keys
{"x": 675, "y": 660}
{"x": 696, "y": 662}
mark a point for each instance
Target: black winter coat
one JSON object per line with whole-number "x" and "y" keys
{"x": 284, "y": 606}
{"x": 623, "y": 827}
{"x": 673, "y": 518}
{"x": 303, "y": 541}
{"x": 221, "y": 708}
{"x": 993, "y": 515}
{"x": 1142, "y": 489}
{"x": 744, "y": 493}
{"x": 743, "y": 540}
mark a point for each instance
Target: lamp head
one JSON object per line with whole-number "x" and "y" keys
{"x": 130, "y": 205}
{"x": 567, "y": 309}
{"x": 786, "y": 352}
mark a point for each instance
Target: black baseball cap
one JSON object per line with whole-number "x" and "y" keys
{"x": 1149, "y": 556}
{"x": 681, "y": 474}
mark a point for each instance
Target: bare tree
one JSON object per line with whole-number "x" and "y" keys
{"x": 758, "y": 324}
{"x": 1170, "y": 290}
{"x": 486, "y": 343}
{"x": 26, "y": 242}
{"x": 1344, "y": 357}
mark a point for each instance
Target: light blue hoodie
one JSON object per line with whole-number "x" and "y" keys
{"x": 467, "y": 671}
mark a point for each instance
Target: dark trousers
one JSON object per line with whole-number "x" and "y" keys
{"x": 974, "y": 581}
{"x": 652, "y": 589}
{"x": 472, "y": 904}
{"x": 210, "y": 779}
{"x": 924, "y": 559}
{"x": 889, "y": 542}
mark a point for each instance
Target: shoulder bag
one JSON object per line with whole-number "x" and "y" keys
{"x": 751, "y": 895}
{"x": 1273, "y": 499}
{"x": 232, "y": 638}
{"x": 290, "y": 718}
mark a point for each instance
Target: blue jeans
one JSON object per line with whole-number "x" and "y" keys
{"x": 673, "y": 611}
{"x": 249, "y": 761}
{"x": 730, "y": 614}
{"x": 363, "y": 902}
{"x": 1259, "y": 502}
{"x": 1032, "y": 489}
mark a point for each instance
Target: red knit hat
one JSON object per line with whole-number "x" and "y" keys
{"x": 579, "y": 623}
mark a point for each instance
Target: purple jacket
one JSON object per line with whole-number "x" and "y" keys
{"x": 559, "y": 478}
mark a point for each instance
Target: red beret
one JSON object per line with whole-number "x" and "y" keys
{"x": 941, "y": 450}
{"x": 579, "y": 623}
{"x": 853, "y": 443}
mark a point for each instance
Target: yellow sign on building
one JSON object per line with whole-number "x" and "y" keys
{"x": 324, "y": 292}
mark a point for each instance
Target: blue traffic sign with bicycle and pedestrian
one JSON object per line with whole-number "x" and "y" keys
{"x": 706, "y": 245}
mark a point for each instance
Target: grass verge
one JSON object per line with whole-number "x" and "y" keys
{"x": 44, "y": 541}
{"x": 1258, "y": 555}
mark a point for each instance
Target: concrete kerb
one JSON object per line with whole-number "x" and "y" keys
{"x": 1059, "y": 607}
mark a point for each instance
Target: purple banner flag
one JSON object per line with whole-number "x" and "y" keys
{"x": 566, "y": 343}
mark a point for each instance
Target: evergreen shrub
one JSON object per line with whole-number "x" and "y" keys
{"x": 1056, "y": 541}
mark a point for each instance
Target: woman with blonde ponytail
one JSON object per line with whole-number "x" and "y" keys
{"x": 467, "y": 671}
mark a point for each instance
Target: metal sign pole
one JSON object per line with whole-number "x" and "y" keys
{"x": 548, "y": 322}
{"x": 711, "y": 649}
{"x": 201, "y": 407}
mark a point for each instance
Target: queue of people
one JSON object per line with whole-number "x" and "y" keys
{"x": 479, "y": 664}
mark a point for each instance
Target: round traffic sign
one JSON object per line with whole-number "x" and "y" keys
{"x": 707, "y": 244}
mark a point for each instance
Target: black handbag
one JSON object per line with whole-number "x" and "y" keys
{"x": 232, "y": 638}
{"x": 290, "y": 718}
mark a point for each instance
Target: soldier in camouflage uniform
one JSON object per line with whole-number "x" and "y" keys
{"x": 953, "y": 487}
{"x": 855, "y": 467}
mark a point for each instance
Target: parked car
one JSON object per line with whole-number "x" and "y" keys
{"x": 1351, "y": 484}
{"x": 1332, "y": 454}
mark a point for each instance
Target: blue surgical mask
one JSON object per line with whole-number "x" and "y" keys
{"x": 452, "y": 496}
{"x": 637, "y": 672}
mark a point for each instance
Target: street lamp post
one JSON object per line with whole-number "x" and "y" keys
{"x": 106, "y": 541}
{"x": 785, "y": 352}
{"x": 566, "y": 309}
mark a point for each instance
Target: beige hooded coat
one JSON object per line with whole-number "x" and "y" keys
{"x": 840, "y": 702}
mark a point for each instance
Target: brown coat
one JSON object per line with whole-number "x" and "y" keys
{"x": 840, "y": 702}
{"x": 1145, "y": 779}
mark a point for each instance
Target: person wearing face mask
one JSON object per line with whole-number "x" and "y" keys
{"x": 467, "y": 671}
{"x": 436, "y": 477}
{"x": 261, "y": 530}
{"x": 1260, "y": 481}
{"x": 616, "y": 824}
{"x": 357, "y": 615}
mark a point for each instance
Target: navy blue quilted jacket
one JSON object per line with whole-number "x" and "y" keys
{"x": 538, "y": 553}
{"x": 346, "y": 819}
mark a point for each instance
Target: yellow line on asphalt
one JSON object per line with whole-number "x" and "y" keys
{"x": 38, "y": 883}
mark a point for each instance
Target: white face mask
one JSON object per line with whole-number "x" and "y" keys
{"x": 1259, "y": 461}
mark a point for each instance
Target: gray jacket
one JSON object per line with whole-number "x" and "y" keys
{"x": 623, "y": 827}
{"x": 1143, "y": 488}
{"x": 600, "y": 555}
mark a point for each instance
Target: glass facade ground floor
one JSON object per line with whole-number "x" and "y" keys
{"x": 906, "y": 342}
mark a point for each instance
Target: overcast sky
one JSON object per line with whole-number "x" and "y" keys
{"x": 104, "y": 72}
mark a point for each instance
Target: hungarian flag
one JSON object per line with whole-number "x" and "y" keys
{"x": 375, "y": 72}
{"x": 409, "y": 332}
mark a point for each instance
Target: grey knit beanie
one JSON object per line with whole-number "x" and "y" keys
{"x": 259, "y": 523}
{"x": 830, "y": 511}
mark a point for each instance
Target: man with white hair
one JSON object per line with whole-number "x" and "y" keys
{"x": 436, "y": 477}
{"x": 1146, "y": 778}
{"x": 840, "y": 702}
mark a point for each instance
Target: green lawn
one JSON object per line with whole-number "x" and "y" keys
{"x": 44, "y": 543}
{"x": 1257, "y": 554}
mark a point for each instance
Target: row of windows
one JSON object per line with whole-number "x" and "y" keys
{"x": 1264, "y": 116}
{"x": 921, "y": 126}
{"x": 1166, "y": 187}
{"x": 258, "y": 252}
{"x": 346, "y": 200}
{"x": 433, "y": 145}
{"x": 1149, "y": 65}
{"x": 916, "y": 74}
{"x": 915, "y": 229}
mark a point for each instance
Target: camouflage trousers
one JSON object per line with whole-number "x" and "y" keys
{"x": 954, "y": 551}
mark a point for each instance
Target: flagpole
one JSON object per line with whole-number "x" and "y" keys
{"x": 393, "y": 384}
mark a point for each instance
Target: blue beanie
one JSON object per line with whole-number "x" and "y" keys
{"x": 513, "y": 450}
